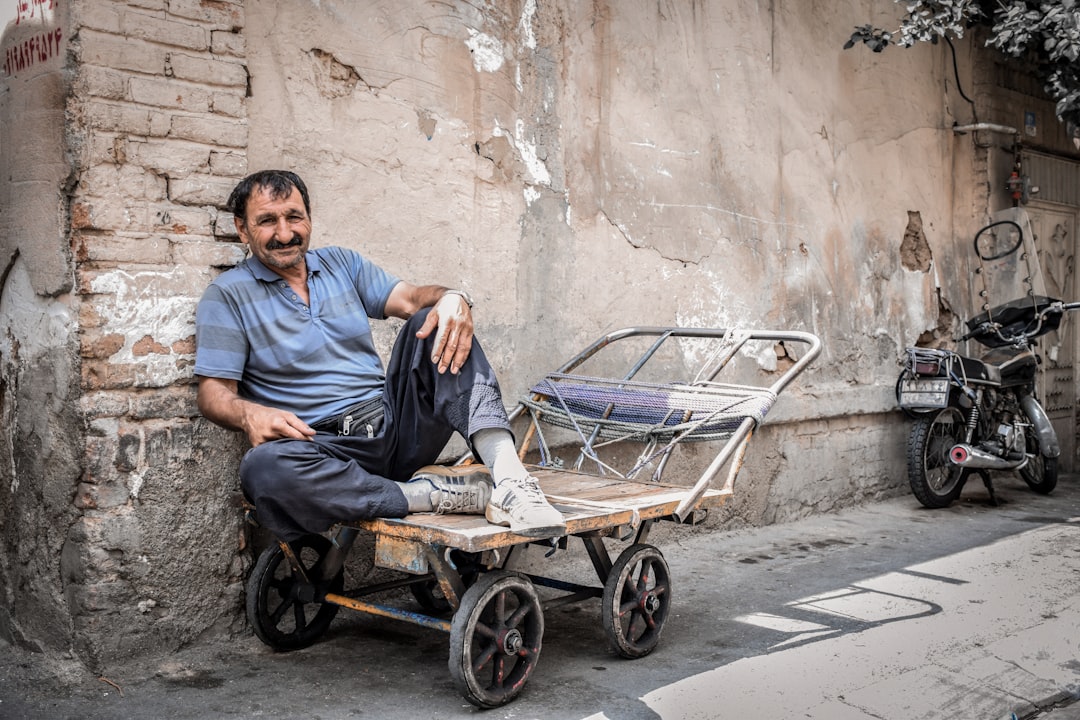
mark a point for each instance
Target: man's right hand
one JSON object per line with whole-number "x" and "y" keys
{"x": 220, "y": 403}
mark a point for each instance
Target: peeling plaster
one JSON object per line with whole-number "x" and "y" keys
{"x": 528, "y": 12}
{"x": 33, "y": 326}
{"x": 527, "y": 152}
{"x": 137, "y": 481}
{"x": 34, "y": 322}
{"x": 133, "y": 302}
{"x": 487, "y": 52}
{"x": 529, "y": 156}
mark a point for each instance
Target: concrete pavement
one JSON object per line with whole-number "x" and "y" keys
{"x": 883, "y": 611}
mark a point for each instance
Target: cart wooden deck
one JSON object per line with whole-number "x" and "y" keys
{"x": 589, "y": 503}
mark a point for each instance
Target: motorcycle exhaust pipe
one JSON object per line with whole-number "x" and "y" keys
{"x": 967, "y": 456}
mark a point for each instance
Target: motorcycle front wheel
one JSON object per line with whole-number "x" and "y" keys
{"x": 935, "y": 480}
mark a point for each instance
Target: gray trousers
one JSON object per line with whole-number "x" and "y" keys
{"x": 300, "y": 487}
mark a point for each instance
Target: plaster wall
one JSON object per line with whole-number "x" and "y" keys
{"x": 577, "y": 167}
{"x": 580, "y": 168}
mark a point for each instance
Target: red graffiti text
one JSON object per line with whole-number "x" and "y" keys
{"x": 28, "y": 9}
{"x": 35, "y": 49}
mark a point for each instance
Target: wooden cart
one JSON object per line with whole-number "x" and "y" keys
{"x": 456, "y": 565}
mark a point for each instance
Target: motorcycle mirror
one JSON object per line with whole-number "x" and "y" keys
{"x": 999, "y": 243}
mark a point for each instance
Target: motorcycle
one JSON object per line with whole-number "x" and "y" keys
{"x": 975, "y": 415}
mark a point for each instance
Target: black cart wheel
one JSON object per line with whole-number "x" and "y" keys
{"x": 286, "y": 612}
{"x": 637, "y": 598}
{"x": 429, "y": 594}
{"x": 495, "y": 638}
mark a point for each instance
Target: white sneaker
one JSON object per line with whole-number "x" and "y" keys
{"x": 521, "y": 505}
{"x": 464, "y": 489}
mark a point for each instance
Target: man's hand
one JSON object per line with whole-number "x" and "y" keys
{"x": 262, "y": 424}
{"x": 220, "y": 403}
{"x": 453, "y": 341}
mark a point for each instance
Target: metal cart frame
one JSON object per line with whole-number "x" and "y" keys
{"x": 455, "y": 565}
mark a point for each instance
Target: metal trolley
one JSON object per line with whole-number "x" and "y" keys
{"x": 456, "y": 566}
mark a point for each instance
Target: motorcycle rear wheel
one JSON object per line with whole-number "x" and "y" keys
{"x": 1040, "y": 473}
{"x": 935, "y": 481}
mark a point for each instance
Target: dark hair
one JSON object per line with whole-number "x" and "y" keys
{"x": 280, "y": 183}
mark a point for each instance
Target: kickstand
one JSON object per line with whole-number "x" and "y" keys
{"x": 989, "y": 486}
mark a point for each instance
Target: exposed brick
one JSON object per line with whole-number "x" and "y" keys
{"x": 169, "y": 445}
{"x": 159, "y": 5}
{"x": 103, "y": 16}
{"x": 160, "y": 124}
{"x": 105, "y": 404}
{"x": 228, "y": 163}
{"x": 103, "y": 375}
{"x": 114, "y": 214}
{"x": 104, "y": 428}
{"x": 217, "y": 14}
{"x": 225, "y": 227}
{"x": 102, "y": 495}
{"x": 121, "y": 250}
{"x": 93, "y": 345}
{"x": 106, "y": 148}
{"x": 165, "y": 93}
{"x": 147, "y": 345}
{"x": 101, "y": 82}
{"x": 210, "y": 130}
{"x": 128, "y": 450}
{"x": 170, "y": 156}
{"x": 227, "y": 42}
{"x": 120, "y": 53}
{"x": 117, "y": 118}
{"x": 85, "y": 497}
{"x": 231, "y": 104}
{"x": 201, "y": 190}
{"x": 207, "y": 70}
{"x": 166, "y": 31}
{"x": 80, "y": 216}
{"x": 209, "y": 254}
{"x": 89, "y": 317}
{"x": 183, "y": 220}
{"x": 174, "y": 401}
{"x": 185, "y": 346}
{"x": 105, "y": 182}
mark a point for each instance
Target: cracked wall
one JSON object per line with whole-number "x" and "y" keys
{"x": 576, "y": 167}
{"x": 741, "y": 172}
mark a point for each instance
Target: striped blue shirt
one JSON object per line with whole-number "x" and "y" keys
{"x": 314, "y": 360}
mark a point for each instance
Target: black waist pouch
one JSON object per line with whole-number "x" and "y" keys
{"x": 364, "y": 419}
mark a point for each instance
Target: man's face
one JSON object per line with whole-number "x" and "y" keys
{"x": 278, "y": 231}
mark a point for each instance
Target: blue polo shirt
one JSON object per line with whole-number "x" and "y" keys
{"x": 315, "y": 360}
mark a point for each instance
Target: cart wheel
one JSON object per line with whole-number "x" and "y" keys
{"x": 637, "y": 598}
{"x": 495, "y": 638}
{"x": 286, "y": 612}
{"x": 429, "y": 595}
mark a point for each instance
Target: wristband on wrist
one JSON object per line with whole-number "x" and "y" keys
{"x": 463, "y": 295}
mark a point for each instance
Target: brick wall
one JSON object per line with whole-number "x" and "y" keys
{"x": 159, "y": 139}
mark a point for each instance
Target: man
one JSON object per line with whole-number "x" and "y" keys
{"x": 284, "y": 354}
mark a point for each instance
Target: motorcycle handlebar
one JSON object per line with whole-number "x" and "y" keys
{"x": 1057, "y": 307}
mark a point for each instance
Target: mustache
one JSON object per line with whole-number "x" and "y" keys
{"x": 275, "y": 245}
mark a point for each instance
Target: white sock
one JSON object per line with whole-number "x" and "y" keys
{"x": 495, "y": 447}
{"x": 418, "y": 493}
